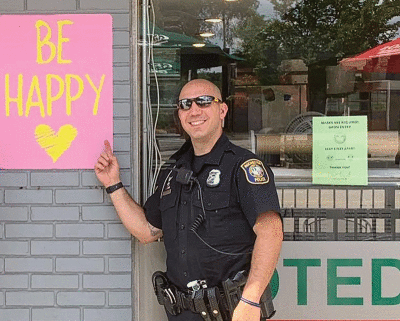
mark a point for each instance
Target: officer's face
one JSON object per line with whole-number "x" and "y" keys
{"x": 202, "y": 123}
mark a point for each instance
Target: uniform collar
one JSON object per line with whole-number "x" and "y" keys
{"x": 215, "y": 156}
{"x": 186, "y": 153}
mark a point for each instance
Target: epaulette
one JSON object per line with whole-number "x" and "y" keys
{"x": 169, "y": 164}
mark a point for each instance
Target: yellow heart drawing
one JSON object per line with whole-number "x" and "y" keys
{"x": 55, "y": 144}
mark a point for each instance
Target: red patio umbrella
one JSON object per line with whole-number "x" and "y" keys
{"x": 384, "y": 58}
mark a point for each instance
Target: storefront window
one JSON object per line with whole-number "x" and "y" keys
{"x": 278, "y": 64}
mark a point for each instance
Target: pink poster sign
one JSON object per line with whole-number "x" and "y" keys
{"x": 56, "y": 95}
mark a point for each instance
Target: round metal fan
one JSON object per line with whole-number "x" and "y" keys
{"x": 301, "y": 124}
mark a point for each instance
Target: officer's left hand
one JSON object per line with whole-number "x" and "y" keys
{"x": 246, "y": 312}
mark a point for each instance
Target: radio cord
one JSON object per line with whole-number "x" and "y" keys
{"x": 201, "y": 218}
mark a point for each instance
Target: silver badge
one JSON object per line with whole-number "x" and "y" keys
{"x": 214, "y": 178}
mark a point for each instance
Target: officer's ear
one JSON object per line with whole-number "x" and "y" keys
{"x": 223, "y": 110}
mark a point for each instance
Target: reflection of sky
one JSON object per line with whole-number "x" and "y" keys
{"x": 394, "y": 20}
{"x": 266, "y": 8}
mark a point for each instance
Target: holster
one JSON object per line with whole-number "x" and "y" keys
{"x": 166, "y": 293}
{"x": 233, "y": 289}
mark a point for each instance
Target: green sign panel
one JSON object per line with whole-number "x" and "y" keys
{"x": 337, "y": 281}
{"x": 340, "y": 150}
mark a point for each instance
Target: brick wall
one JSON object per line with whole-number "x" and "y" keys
{"x": 64, "y": 255}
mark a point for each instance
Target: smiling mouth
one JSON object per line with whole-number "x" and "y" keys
{"x": 197, "y": 122}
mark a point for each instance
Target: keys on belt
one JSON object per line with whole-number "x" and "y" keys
{"x": 207, "y": 301}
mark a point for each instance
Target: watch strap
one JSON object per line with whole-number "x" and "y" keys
{"x": 113, "y": 188}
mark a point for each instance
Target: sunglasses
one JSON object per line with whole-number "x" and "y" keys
{"x": 201, "y": 101}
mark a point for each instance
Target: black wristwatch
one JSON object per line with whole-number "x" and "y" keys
{"x": 113, "y": 188}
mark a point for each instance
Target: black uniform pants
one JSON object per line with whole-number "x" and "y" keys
{"x": 186, "y": 316}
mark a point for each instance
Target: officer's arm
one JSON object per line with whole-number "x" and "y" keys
{"x": 133, "y": 217}
{"x": 268, "y": 228}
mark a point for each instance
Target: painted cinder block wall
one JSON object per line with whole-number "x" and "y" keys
{"x": 64, "y": 255}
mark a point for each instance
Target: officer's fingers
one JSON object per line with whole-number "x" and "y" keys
{"x": 105, "y": 156}
{"x": 98, "y": 167}
{"x": 104, "y": 161}
{"x": 111, "y": 159}
{"x": 107, "y": 148}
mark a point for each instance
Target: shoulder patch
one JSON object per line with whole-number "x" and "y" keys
{"x": 255, "y": 171}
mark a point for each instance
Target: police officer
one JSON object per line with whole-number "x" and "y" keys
{"x": 216, "y": 206}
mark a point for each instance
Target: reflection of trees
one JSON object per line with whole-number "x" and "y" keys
{"x": 188, "y": 16}
{"x": 282, "y": 6}
{"x": 232, "y": 13}
{"x": 261, "y": 46}
{"x": 314, "y": 30}
{"x": 341, "y": 28}
{"x": 178, "y": 16}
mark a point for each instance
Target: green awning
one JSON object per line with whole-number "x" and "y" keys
{"x": 192, "y": 57}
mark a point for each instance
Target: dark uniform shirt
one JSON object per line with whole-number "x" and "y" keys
{"x": 235, "y": 187}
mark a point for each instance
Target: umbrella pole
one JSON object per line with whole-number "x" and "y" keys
{"x": 388, "y": 107}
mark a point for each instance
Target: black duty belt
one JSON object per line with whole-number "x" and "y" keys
{"x": 212, "y": 304}
{"x": 205, "y": 301}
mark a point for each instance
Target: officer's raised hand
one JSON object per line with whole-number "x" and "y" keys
{"x": 107, "y": 167}
{"x": 130, "y": 213}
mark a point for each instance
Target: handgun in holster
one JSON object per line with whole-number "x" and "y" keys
{"x": 233, "y": 289}
{"x": 166, "y": 293}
